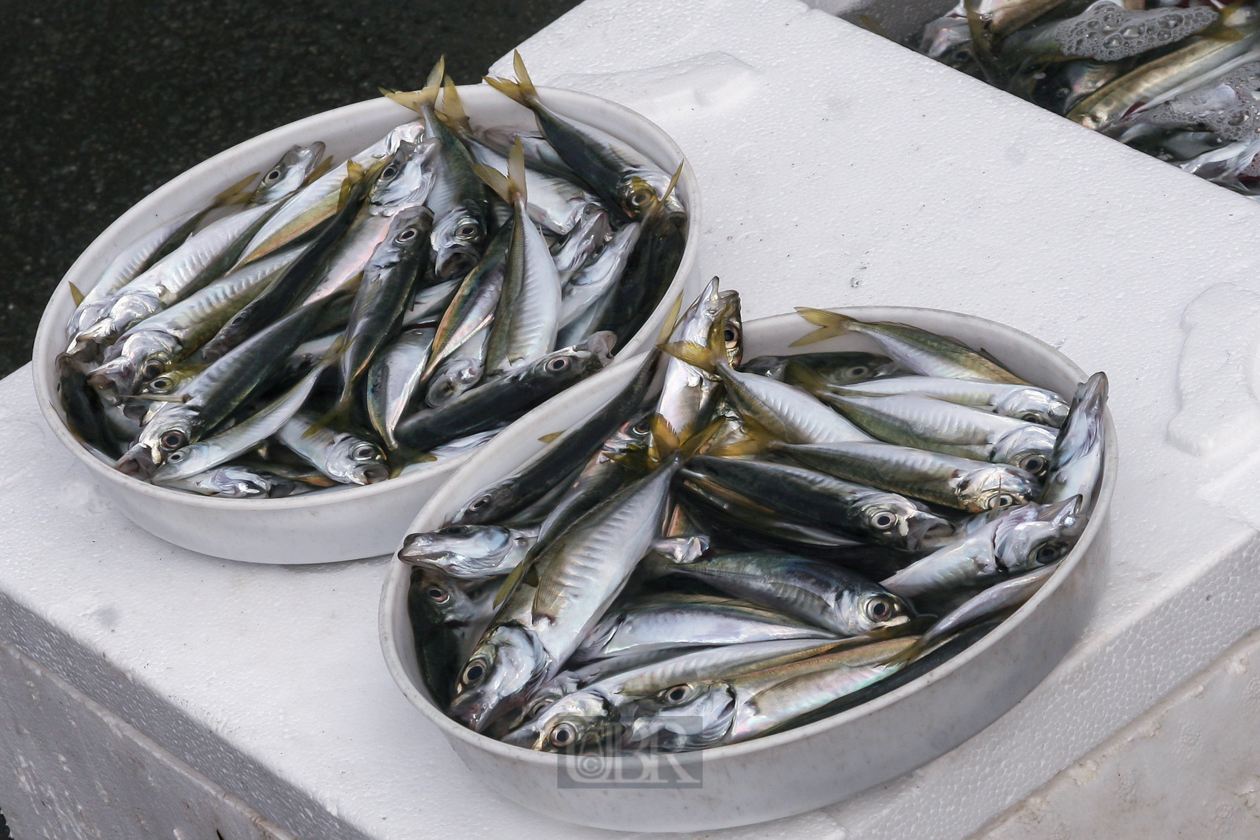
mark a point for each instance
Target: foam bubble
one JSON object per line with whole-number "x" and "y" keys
{"x": 1229, "y": 105}
{"x": 1107, "y": 32}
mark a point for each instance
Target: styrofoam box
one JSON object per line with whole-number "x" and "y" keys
{"x": 822, "y": 762}
{"x": 342, "y": 523}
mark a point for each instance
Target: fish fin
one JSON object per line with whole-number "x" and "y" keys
{"x": 509, "y": 89}
{"x": 494, "y": 179}
{"x": 76, "y": 295}
{"x": 453, "y": 113}
{"x": 524, "y": 571}
{"x": 671, "y": 320}
{"x": 550, "y": 436}
{"x": 692, "y": 445}
{"x": 751, "y": 445}
{"x": 238, "y": 193}
{"x": 673, "y": 182}
{"x": 691, "y": 353}
{"x": 418, "y": 100}
{"x": 516, "y": 173}
{"x": 522, "y": 76}
{"x": 871, "y": 25}
{"x": 832, "y": 324}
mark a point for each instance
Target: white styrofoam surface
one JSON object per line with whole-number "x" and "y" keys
{"x": 1185, "y": 768}
{"x": 73, "y": 771}
{"x": 838, "y": 169}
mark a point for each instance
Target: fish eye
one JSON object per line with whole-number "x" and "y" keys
{"x": 406, "y": 236}
{"x": 273, "y": 176}
{"x": 884, "y": 520}
{"x": 467, "y": 230}
{"x": 151, "y": 370}
{"x": 558, "y": 364}
{"x": 730, "y": 335}
{"x": 480, "y": 503}
{"x": 176, "y": 456}
{"x": 453, "y": 530}
{"x": 535, "y": 708}
{"x": 390, "y": 172}
{"x": 474, "y": 672}
{"x": 364, "y": 452}
{"x": 160, "y": 384}
{"x": 1034, "y": 463}
{"x": 563, "y": 734}
{"x": 437, "y": 594}
{"x": 172, "y": 440}
{"x": 881, "y": 608}
{"x": 1030, "y": 417}
{"x": 642, "y": 428}
{"x": 858, "y": 371}
{"x": 677, "y": 694}
{"x": 1048, "y": 553}
{"x": 1002, "y": 500}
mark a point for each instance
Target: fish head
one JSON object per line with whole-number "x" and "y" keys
{"x": 996, "y": 486}
{"x": 896, "y": 520}
{"x": 240, "y": 483}
{"x": 136, "y": 359}
{"x": 560, "y": 724}
{"x": 171, "y": 381}
{"x": 488, "y": 504}
{"x": 774, "y": 367}
{"x": 289, "y": 173}
{"x": 637, "y": 197}
{"x": 506, "y": 664}
{"x": 464, "y": 551}
{"x": 452, "y": 378}
{"x": 728, "y": 314}
{"x": 457, "y": 240}
{"x": 874, "y": 608}
{"x": 948, "y": 40}
{"x": 1084, "y": 424}
{"x": 600, "y": 344}
{"x": 408, "y": 228}
{"x": 861, "y": 367}
{"x": 1028, "y": 447}
{"x": 406, "y": 177}
{"x": 356, "y": 461}
{"x": 688, "y": 716}
{"x": 569, "y": 364}
{"x": 1033, "y": 405}
{"x": 443, "y": 598}
{"x": 166, "y": 432}
{"x": 184, "y": 462}
{"x": 128, "y": 309}
{"x": 1038, "y": 535}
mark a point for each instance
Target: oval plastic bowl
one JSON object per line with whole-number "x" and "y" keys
{"x": 823, "y": 762}
{"x": 351, "y": 522}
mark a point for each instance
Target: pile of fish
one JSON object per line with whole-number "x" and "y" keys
{"x": 732, "y": 548}
{"x": 335, "y": 325}
{"x": 1179, "y": 80}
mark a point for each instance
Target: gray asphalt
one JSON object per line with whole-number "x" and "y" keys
{"x": 106, "y": 101}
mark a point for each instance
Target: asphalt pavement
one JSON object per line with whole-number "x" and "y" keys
{"x": 106, "y": 101}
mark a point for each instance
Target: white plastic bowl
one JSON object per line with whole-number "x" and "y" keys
{"x": 823, "y": 762}
{"x": 351, "y": 522}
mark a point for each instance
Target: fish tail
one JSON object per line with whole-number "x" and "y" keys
{"x": 453, "y": 113}
{"x": 522, "y": 90}
{"x": 419, "y": 100}
{"x": 238, "y": 193}
{"x": 509, "y": 89}
{"x": 76, "y": 295}
{"x": 522, "y": 76}
{"x": 516, "y": 173}
{"x": 832, "y": 324}
{"x": 494, "y": 179}
{"x": 691, "y": 446}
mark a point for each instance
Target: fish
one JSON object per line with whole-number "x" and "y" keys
{"x": 528, "y": 313}
{"x": 839, "y": 368}
{"x": 948, "y": 480}
{"x": 822, "y": 594}
{"x": 919, "y": 351}
{"x": 1017, "y": 541}
{"x": 1076, "y": 464}
{"x": 1021, "y": 402}
{"x": 468, "y": 552}
{"x": 342, "y": 456}
{"x": 505, "y": 398}
{"x": 393, "y": 379}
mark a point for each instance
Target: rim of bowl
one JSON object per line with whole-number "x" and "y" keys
{"x": 1097, "y": 520}
{"x": 50, "y": 327}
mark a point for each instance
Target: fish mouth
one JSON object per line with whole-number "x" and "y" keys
{"x": 137, "y": 462}
{"x": 371, "y": 474}
{"x": 455, "y": 263}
